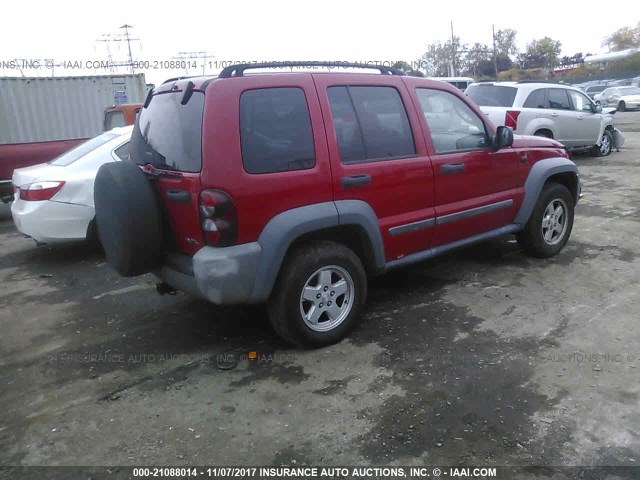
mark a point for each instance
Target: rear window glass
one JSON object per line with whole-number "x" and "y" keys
{"x": 81, "y": 150}
{"x": 558, "y": 99}
{"x": 168, "y": 135}
{"x": 371, "y": 123}
{"x": 275, "y": 130}
{"x": 492, "y": 95}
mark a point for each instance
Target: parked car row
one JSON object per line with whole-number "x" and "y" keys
{"x": 623, "y": 98}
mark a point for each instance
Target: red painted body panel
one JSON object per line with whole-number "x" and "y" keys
{"x": 401, "y": 191}
{"x": 18, "y": 155}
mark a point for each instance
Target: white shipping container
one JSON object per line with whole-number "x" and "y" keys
{"x": 42, "y": 109}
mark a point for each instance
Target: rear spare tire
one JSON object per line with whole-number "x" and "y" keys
{"x": 128, "y": 218}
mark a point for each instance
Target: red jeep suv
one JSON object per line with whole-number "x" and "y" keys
{"x": 292, "y": 188}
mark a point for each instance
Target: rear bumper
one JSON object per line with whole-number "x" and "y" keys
{"x": 224, "y": 276}
{"x": 52, "y": 222}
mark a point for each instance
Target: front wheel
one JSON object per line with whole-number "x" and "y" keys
{"x": 550, "y": 224}
{"x": 319, "y": 294}
{"x": 605, "y": 147}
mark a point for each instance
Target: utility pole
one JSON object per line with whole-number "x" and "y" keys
{"x": 495, "y": 55}
{"x": 107, "y": 39}
{"x": 453, "y": 53}
{"x": 194, "y": 55}
{"x": 126, "y": 34}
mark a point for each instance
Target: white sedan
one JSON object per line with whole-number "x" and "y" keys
{"x": 54, "y": 200}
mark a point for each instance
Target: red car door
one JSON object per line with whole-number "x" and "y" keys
{"x": 475, "y": 184}
{"x": 378, "y": 156}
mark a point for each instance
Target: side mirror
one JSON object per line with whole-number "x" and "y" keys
{"x": 598, "y": 108}
{"x": 503, "y": 138}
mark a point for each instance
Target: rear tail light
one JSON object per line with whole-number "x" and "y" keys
{"x": 39, "y": 191}
{"x": 511, "y": 118}
{"x": 218, "y": 218}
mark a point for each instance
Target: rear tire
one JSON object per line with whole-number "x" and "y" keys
{"x": 319, "y": 294}
{"x": 550, "y": 224}
{"x": 605, "y": 147}
{"x": 622, "y": 107}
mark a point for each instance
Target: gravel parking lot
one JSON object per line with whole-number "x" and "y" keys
{"x": 483, "y": 356}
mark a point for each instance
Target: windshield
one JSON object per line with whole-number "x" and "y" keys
{"x": 168, "y": 135}
{"x": 81, "y": 150}
{"x": 491, "y": 95}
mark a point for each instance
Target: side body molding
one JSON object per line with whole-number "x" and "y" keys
{"x": 539, "y": 174}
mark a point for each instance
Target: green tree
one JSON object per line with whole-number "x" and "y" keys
{"x": 436, "y": 61}
{"x": 540, "y": 53}
{"x": 473, "y": 56}
{"x": 408, "y": 69}
{"x": 623, "y": 38}
{"x": 506, "y": 42}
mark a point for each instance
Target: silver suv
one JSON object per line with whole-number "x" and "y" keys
{"x": 548, "y": 110}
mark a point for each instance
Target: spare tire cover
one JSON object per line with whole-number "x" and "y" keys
{"x": 128, "y": 218}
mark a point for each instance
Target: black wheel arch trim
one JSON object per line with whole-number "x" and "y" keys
{"x": 538, "y": 176}
{"x": 285, "y": 228}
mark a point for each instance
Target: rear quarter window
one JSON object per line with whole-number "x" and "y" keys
{"x": 535, "y": 99}
{"x": 275, "y": 130}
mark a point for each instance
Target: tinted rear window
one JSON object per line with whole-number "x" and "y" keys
{"x": 168, "y": 135}
{"x": 275, "y": 130}
{"x": 492, "y": 95}
{"x": 81, "y": 150}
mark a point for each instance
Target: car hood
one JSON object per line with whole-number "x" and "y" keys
{"x": 524, "y": 141}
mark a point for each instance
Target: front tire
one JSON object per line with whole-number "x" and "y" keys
{"x": 605, "y": 147}
{"x": 550, "y": 224}
{"x": 319, "y": 295}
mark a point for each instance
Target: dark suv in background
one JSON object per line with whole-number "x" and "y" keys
{"x": 293, "y": 188}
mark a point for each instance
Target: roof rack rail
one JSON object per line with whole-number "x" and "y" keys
{"x": 238, "y": 69}
{"x": 539, "y": 81}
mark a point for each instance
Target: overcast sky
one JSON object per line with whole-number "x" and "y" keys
{"x": 284, "y": 30}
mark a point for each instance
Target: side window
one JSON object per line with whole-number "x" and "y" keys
{"x": 535, "y": 99}
{"x": 453, "y": 125}
{"x": 275, "y": 130}
{"x": 122, "y": 152}
{"x": 580, "y": 102}
{"x": 558, "y": 99}
{"x": 371, "y": 123}
{"x": 113, "y": 119}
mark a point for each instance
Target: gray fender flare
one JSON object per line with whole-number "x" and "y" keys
{"x": 538, "y": 175}
{"x": 283, "y": 229}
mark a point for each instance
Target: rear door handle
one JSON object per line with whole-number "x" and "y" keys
{"x": 355, "y": 180}
{"x": 180, "y": 196}
{"x": 449, "y": 168}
